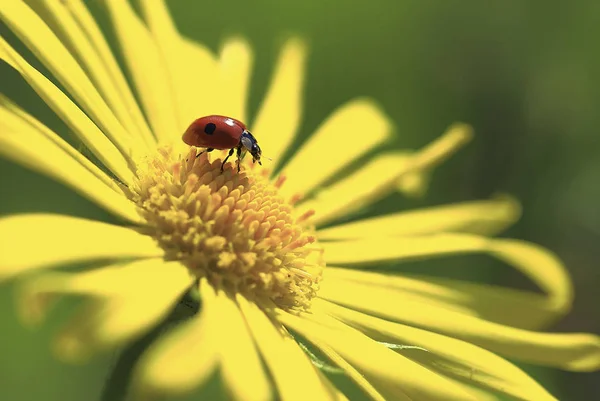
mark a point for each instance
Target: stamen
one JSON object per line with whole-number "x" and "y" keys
{"x": 300, "y": 242}
{"x": 301, "y": 273}
{"x": 305, "y": 216}
{"x": 232, "y": 228}
{"x": 295, "y": 199}
{"x": 280, "y": 181}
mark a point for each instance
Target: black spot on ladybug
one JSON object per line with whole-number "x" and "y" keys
{"x": 210, "y": 128}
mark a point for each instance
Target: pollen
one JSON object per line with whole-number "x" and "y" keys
{"x": 232, "y": 228}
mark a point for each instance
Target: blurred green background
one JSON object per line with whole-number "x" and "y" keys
{"x": 525, "y": 74}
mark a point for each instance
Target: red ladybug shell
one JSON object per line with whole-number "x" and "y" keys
{"x": 216, "y": 132}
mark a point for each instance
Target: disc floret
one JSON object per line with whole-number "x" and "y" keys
{"x": 232, "y": 228}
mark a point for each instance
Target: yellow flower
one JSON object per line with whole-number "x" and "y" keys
{"x": 252, "y": 245}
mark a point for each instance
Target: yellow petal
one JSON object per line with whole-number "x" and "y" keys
{"x": 373, "y": 181}
{"x": 32, "y": 241}
{"x": 352, "y": 373}
{"x": 392, "y": 374}
{"x": 11, "y": 115}
{"x": 235, "y": 64}
{"x": 64, "y": 25}
{"x": 400, "y": 286}
{"x": 539, "y": 264}
{"x": 477, "y": 393}
{"x": 452, "y": 357}
{"x": 192, "y": 67}
{"x": 190, "y": 351}
{"x": 502, "y": 305}
{"x": 335, "y": 393}
{"x": 279, "y": 114}
{"x": 198, "y": 82}
{"x": 294, "y": 375}
{"x": 36, "y": 35}
{"x": 578, "y": 352}
{"x": 147, "y": 69}
{"x": 168, "y": 44}
{"x": 377, "y": 178}
{"x": 88, "y": 25}
{"x": 328, "y": 151}
{"x": 338, "y": 395}
{"x": 387, "y": 249}
{"x": 241, "y": 366}
{"x": 21, "y": 141}
{"x": 526, "y": 310}
{"x": 487, "y": 217}
{"x": 75, "y": 119}
{"x": 415, "y": 183}
{"x": 107, "y": 322}
{"x": 106, "y": 282}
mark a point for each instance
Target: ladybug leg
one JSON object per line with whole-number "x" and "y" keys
{"x": 239, "y": 157}
{"x": 208, "y": 150}
{"x": 225, "y": 161}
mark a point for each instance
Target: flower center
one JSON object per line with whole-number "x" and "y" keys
{"x": 232, "y": 228}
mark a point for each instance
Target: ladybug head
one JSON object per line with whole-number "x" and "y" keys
{"x": 251, "y": 145}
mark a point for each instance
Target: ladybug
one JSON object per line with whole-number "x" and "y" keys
{"x": 221, "y": 132}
